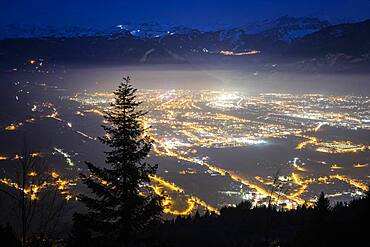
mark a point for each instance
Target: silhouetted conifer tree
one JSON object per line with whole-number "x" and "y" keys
{"x": 322, "y": 210}
{"x": 322, "y": 204}
{"x": 197, "y": 216}
{"x": 123, "y": 208}
{"x": 244, "y": 205}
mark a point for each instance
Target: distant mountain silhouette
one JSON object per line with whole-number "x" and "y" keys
{"x": 351, "y": 39}
{"x": 295, "y": 39}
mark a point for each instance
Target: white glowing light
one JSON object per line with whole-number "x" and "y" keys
{"x": 65, "y": 155}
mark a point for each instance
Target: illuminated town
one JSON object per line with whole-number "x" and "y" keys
{"x": 190, "y": 128}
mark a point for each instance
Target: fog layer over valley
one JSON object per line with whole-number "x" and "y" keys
{"x": 244, "y": 78}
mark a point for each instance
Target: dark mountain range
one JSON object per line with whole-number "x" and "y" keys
{"x": 351, "y": 39}
{"x": 293, "y": 39}
{"x": 287, "y": 27}
{"x": 267, "y": 36}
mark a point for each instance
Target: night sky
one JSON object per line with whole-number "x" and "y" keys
{"x": 183, "y": 12}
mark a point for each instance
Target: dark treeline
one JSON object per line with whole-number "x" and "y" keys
{"x": 321, "y": 225}
{"x": 121, "y": 210}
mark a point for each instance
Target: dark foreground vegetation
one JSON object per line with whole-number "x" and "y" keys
{"x": 121, "y": 210}
{"x": 322, "y": 225}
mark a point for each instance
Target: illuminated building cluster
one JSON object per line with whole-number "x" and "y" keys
{"x": 182, "y": 123}
{"x": 35, "y": 186}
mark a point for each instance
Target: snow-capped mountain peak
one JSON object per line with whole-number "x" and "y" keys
{"x": 284, "y": 28}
